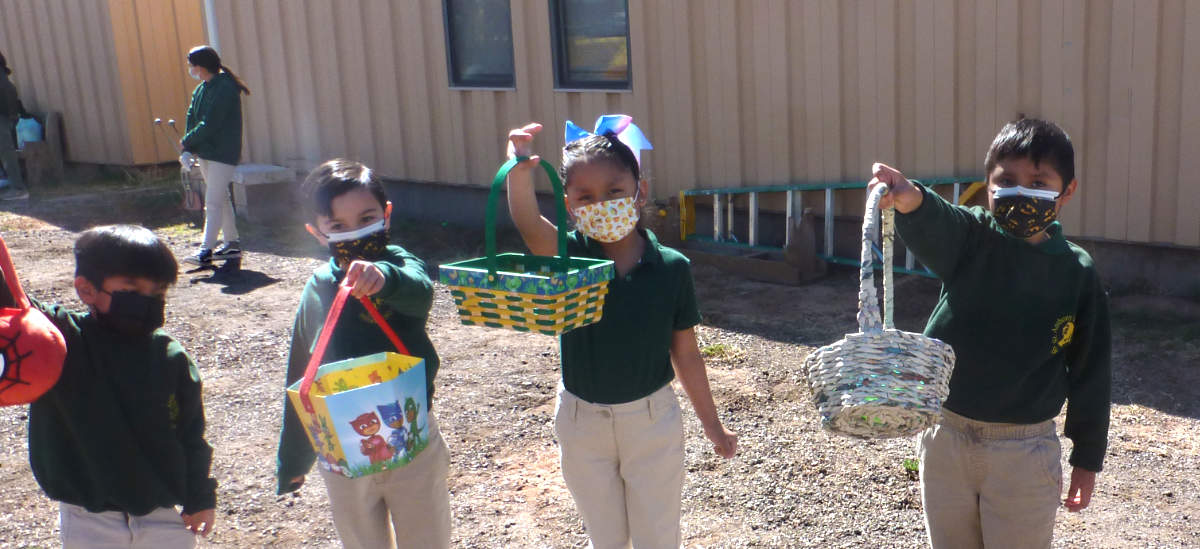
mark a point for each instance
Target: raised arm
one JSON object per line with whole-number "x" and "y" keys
{"x": 539, "y": 234}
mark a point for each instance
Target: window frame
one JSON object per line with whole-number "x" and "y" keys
{"x": 476, "y": 84}
{"x": 558, "y": 42}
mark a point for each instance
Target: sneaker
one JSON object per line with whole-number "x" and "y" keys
{"x": 227, "y": 250}
{"x": 12, "y": 193}
{"x": 202, "y": 257}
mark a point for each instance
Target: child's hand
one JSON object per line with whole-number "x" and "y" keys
{"x": 520, "y": 143}
{"x": 902, "y": 194}
{"x": 296, "y": 482}
{"x": 724, "y": 441}
{"x": 200, "y": 522}
{"x": 1079, "y": 495}
{"x": 365, "y": 278}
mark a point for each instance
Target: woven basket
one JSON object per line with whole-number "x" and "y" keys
{"x": 525, "y": 292}
{"x": 880, "y": 382}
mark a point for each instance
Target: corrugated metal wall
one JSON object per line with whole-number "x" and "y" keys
{"x": 109, "y": 66}
{"x": 731, "y": 93}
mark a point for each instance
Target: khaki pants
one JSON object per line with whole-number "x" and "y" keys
{"x": 218, "y": 206}
{"x": 160, "y": 529}
{"x": 623, "y": 464}
{"x": 405, "y": 507}
{"x": 994, "y": 485}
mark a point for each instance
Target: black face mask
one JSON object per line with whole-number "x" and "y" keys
{"x": 1024, "y": 212}
{"x": 133, "y": 314}
{"x": 369, "y": 247}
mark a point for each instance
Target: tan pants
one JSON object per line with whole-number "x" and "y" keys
{"x": 160, "y": 529}
{"x": 218, "y": 206}
{"x": 994, "y": 485}
{"x": 623, "y": 464}
{"x": 405, "y": 507}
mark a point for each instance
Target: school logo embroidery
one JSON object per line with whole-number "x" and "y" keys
{"x": 173, "y": 411}
{"x": 1064, "y": 330}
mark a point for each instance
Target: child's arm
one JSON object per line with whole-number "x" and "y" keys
{"x": 540, "y": 235}
{"x": 201, "y": 497}
{"x": 938, "y": 232}
{"x": 399, "y": 280}
{"x": 296, "y": 456}
{"x": 689, "y": 368}
{"x": 1089, "y": 395}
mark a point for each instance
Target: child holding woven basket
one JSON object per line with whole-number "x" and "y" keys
{"x": 1027, "y": 316}
{"x": 350, "y": 213}
{"x": 617, "y": 418}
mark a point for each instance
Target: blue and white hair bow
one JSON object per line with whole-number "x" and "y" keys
{"x": 620, "y": 126}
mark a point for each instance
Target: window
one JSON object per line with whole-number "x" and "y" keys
{"x": 479, "y": 43}
{"x": 591, "y": 43}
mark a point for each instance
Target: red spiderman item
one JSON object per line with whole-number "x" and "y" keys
{"x": 374, "y": 447}
{"x": 32, "y": 350}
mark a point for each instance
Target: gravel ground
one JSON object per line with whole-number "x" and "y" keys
{"x": 792, "y": 485}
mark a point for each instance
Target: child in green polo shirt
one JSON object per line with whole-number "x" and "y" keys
{"x": 617, "y": 419}
{"x": 407, "y": 506}
{"x": 1027, "y": 316}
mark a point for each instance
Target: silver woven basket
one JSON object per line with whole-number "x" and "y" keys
{"x": 880, "y": 382}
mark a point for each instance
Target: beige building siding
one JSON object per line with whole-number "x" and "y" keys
{"x": 109, "y": 67}
{"x": 732, "y": 93}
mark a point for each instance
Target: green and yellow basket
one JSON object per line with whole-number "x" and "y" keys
{"x": 525, "y": 292}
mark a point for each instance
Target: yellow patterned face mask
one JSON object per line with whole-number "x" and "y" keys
{"x": 1024, "y": 212}
{"x": 608, "y": 221}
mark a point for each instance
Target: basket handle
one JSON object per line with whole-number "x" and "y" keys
{"x": 559, "y": 203}
{"x": 868, "y": 303}
{"x": 10, "y": 278}
{"x": 331, "y": 319}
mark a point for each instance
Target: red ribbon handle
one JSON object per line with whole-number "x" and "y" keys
{"x": 331, "y": 319}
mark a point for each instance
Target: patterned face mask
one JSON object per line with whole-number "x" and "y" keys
{"x": 608, "y": 221}
{"x": 367, "y": 243}
{"x": 1024, "y": 212}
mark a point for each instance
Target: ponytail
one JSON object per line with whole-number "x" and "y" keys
{"x": 241, "y": 85}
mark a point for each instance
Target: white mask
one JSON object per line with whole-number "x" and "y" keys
{"x": 357, "y": 233}
{"x": 192, "y": 73}
{"x": 608, "y": 221}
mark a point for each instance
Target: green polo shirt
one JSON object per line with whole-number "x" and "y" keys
{"x": 627, "y": 354}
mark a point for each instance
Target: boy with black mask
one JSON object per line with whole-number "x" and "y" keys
{"x": 349, "y": 212}
{"x": 119, "y": 440}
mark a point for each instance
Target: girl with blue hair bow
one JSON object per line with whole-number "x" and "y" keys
{"x": 617, "y": 419}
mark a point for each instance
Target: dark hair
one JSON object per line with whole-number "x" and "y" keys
{"x": 598, "y": 147}
{"x": 335, "y": 178}
{"x": 4, "y": 64}
{"x": 123, "y": 250}
{"x": 206, "y": 57}
{"x": 1036, "y": 140}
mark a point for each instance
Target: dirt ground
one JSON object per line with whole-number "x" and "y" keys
{"x": 792, "y": 485}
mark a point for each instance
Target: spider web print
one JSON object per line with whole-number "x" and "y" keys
{"x": 10, "y": 368}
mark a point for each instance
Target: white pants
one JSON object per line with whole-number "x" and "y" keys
{"x": 623, "y": 464}
{"x": 405, "y": 507}
{"x": 991, "y": 485}
{"x": 218, "y": 207}
{"x": 161, "y": 529}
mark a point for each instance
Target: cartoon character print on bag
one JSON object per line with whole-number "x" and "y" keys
{"x": 373, "y": 446}
{"x": 414, "y": 432}
{"x": 393, "y": 417}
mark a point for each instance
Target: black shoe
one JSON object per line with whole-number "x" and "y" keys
{"x": 227, "y": 250}
{"x": 203, "y": 257}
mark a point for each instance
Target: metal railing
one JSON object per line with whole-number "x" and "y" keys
{"x": 723, "y": 214}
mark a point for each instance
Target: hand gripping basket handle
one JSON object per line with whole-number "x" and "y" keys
{"x": 560, "y": 207}
{"x": 10, "y": 278}
{"x": 868, "y": 303}
{"x": 335, "y": 312}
